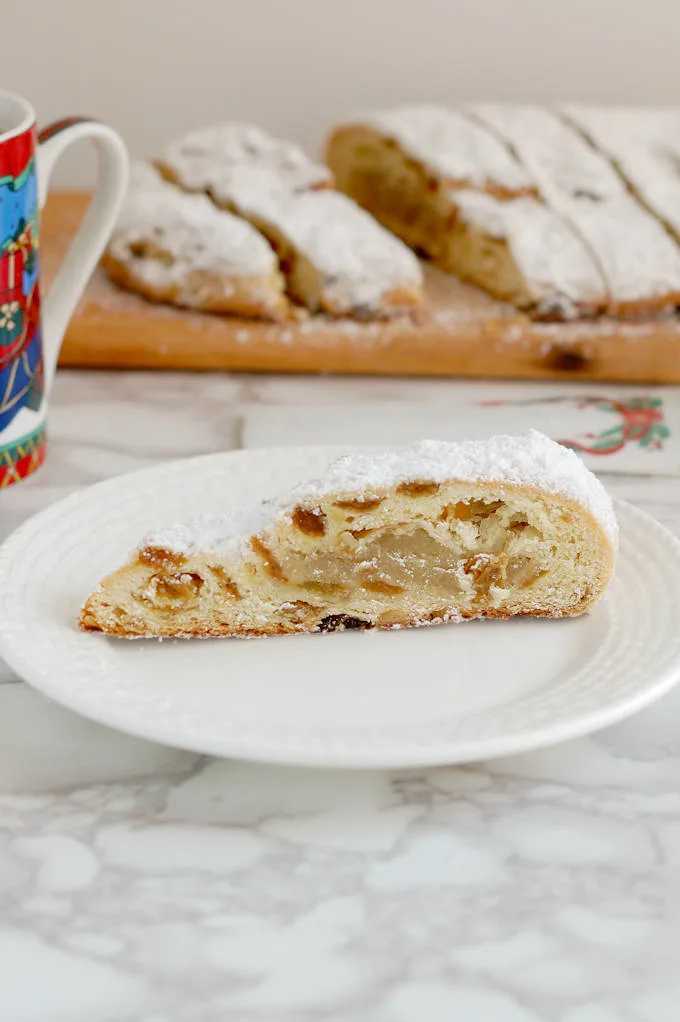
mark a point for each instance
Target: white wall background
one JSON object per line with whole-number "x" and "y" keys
{"x": 155, "y": 68}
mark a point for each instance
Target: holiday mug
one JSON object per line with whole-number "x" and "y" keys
{"x": 30, "y": 339}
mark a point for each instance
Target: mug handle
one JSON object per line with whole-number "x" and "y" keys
{"x": 95, "y": 230}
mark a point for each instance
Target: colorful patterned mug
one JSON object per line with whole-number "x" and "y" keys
{"x": 29, "y": 341}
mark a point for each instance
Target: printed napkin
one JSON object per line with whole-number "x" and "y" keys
{"x": 614, "y": 429}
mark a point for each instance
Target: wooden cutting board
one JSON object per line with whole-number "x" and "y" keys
{"x": 461, "y": 332}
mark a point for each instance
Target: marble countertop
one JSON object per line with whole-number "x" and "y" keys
{"x": 142, "y": 884}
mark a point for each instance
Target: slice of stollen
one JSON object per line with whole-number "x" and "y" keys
{"x": 178, "y": 248}
{"x": 522, "y": 252}
{"x": 414, "y": 536}
{"x": 454, "y": 192}
{"x": 638, "y": 258}
{"x": 336, "y": 258}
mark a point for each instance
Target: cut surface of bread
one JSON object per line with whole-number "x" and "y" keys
{"x": 336, "y": 259}
{"x": 416, "y": 536}
{"x": 447, "y": 149}
{"x": 639, "y": 259}
{"x": 179, "y": 248}
{"x": 522, "y": 252}
{"x": 515, "y": 247}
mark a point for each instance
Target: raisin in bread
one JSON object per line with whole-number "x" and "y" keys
{"x": 432, "y": 533}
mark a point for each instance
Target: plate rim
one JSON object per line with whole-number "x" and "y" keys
{"x": 529, "y": 739}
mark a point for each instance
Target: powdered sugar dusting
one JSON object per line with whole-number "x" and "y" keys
{"x": 638, "y": 258}
{"x": 645, "y": 143}
{"x": 553, "y": 260}
{"x": 451, "y": 146}
{"x": 359, "y": 261}
{"x": 211, "y": 532}
{"x": 209, "y": 159}
{"x": 188, "y": 229}
{"x": 529, "y": 460}
{"x": 275, "y": 185}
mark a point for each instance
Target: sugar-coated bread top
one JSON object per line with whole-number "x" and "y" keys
{"x": 531, "y": 460}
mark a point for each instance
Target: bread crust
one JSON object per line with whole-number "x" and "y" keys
{"x": 207, "y": 291}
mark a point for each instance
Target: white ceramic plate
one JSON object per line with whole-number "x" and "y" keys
{"x": 448, "y": 694}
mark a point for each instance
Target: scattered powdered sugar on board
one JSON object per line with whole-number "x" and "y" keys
{"x": 451, "y": 146}
{"x": 531, "y": 460}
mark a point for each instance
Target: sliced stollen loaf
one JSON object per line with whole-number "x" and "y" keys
{"x": 336, "y": 259}
{"x": 456, "y": 193}
{"x": 644, "y": 145}
{"x": 638, "y": 258}
{"x": 179, "y": 248}
{"x": 414, "y": 536}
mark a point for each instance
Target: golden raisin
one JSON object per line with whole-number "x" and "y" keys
{"x": 225, "y": 583}
{"x": 270, "y": 562}
{"x": 359, "y": 504}
{"x": 159, "y": 557}
{"x": 418, "y": 488}
{"x": 483, "y": 570}
{"x": 311, "y": 521}
{"x": 181, "y": 588}
{"x": 471, "y": 510}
